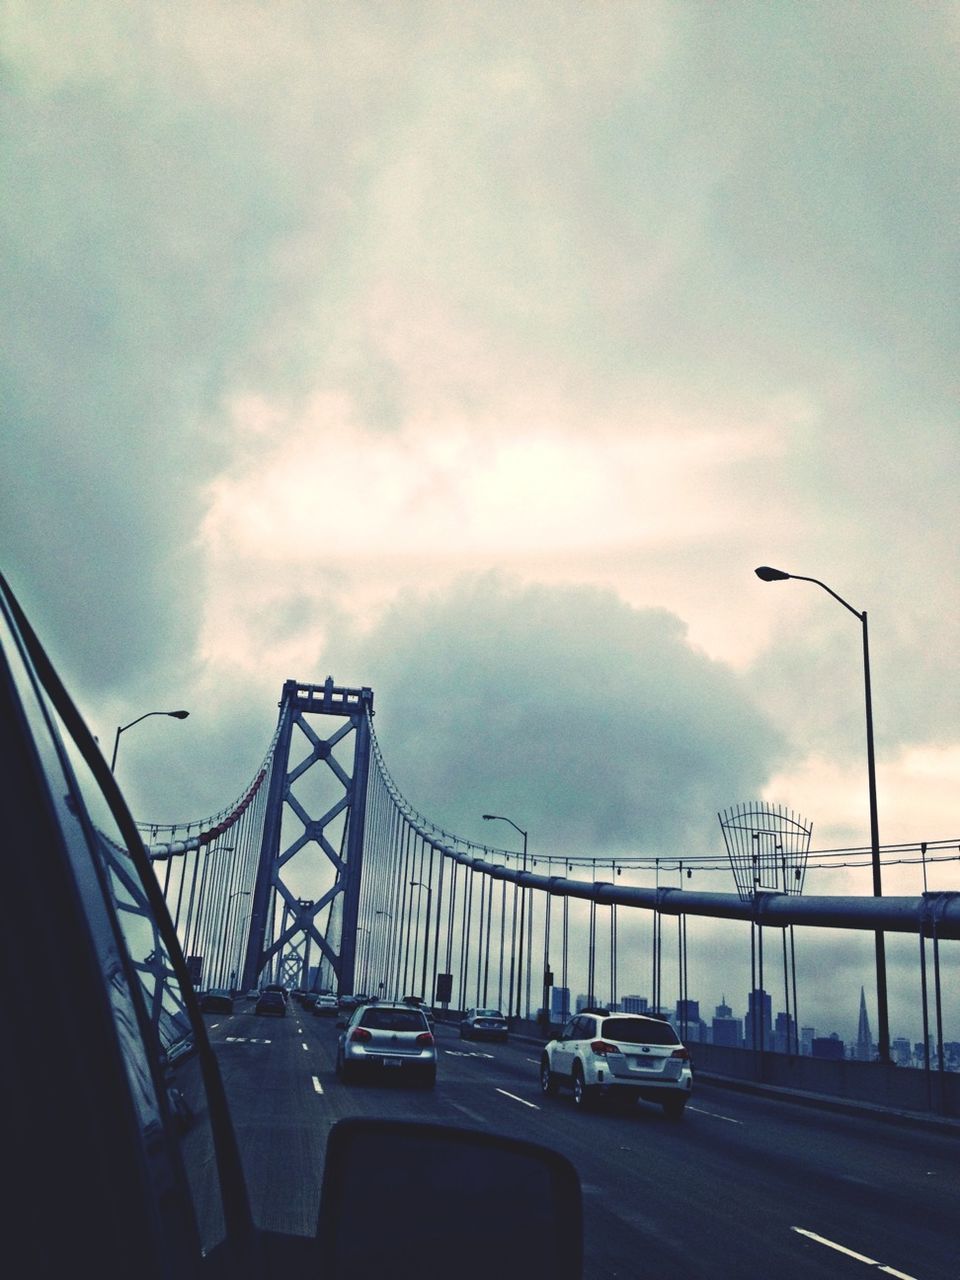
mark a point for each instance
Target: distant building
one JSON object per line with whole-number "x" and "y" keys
{"x": 688, "y": 1022}
{"x": 635, "y": 1004}
{"x": 901, "y": 1051}
{"x": 830, "y": 1046}
{"x": 864, "y": 1047}
{"x": 757, "y": 1026}
{"x": 582, "y": 1002}
{"x": 807, "y": 1035}
{"x": 784, "y": 1034}
{"x": 726, "y": 1029}
{"x": 559, "y": 1004}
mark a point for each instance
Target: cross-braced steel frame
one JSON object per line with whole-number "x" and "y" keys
{"x": 284, "y": 925}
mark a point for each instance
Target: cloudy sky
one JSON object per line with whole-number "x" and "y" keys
{"x": 478, "y": 353}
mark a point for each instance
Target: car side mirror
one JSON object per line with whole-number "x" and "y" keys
{"x": 518, "y": 1203}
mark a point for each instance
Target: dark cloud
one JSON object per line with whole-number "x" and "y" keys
{"x": 596, "y": 726}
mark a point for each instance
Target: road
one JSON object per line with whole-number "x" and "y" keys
{"x": 743, "y": 1186}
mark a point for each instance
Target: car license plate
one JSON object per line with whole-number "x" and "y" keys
{"x": 645, "y": 1063}
{"x": 392, "y": 1062}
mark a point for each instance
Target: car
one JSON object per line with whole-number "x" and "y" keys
{"x": 630, "y": 1055}
{"x": 325, "y": 1006}
{"x": 276, "y": 987}
{"x": 216, "y": 1001}
{"x": 271, "y": 1004}
{"x": 484, "y": 1024}
{"x": 387, "y": 1039}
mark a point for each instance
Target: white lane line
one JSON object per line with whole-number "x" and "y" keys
{"x": 715, "y": 1115}
{"x": 472, "y": 1114}
{"x": 851, "y": 1253}
{"x": 306, "y": 1046}
{"x": 317, "y": 1086}
{"x": 534, "y": 1061}
{"x": 533, "y": 1105}
{"x": 214, "y": 1025}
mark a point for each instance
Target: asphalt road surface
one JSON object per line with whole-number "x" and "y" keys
{"x": 743, "y": 1186}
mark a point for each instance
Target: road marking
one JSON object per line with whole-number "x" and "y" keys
{"x": 317, "y": 1086}
{"x": 533, "y": 1105}
{"x": 306, "y": 1046}
{"x": 534, "y": 1061}
{"x": 472, "y": 1114}
{"x": 851, "y": 1253}
{"x": 460, "y": 1053}
{"x": 713, "y": 1114}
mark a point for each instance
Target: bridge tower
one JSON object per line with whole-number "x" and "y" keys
{"x": 308, "y": 878}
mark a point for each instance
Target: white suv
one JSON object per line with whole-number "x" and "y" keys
{"x": 619, "y": 1054}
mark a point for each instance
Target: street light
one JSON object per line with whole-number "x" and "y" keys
{"x": 426, "y": 936}
{"x": 498, "y": 817}
{"x": 177, "y": 715}
{"x": 883, "y": 1029}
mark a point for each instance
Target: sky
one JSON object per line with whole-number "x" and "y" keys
{"x": 478, "y": 353}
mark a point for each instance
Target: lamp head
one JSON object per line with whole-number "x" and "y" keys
{"x": 178, "y": 715}
{"x": 771, "y": 575}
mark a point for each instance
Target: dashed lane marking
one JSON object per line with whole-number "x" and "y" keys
{"x": 852, "y": 1253}
{"x": 472, "y": 1114}
{"x": 306, "y": 1046}
{"x": 244, "y": 1040}
{"x": 317, "y": 1086}
{"x": 533, "y": 1106}
{"x": 715, "y": 1115}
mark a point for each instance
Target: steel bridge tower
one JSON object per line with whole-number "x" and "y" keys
{"x": 307, "y": 889}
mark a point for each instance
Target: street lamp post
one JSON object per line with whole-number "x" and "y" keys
{"x": 177, "y": 715}
{"x": 498, "y": 817}
{"x": 883, "y": 1028}
{"x": 426, "y": 936}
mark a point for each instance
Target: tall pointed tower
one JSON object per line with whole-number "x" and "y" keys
{"x": 865, "y": 1052}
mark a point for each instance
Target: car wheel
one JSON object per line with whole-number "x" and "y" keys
{"x": 582, "y": 1092}
{"x": 548, "y": 1081}
{"x": 673, "y": 1107}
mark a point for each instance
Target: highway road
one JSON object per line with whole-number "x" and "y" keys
{"x": 743, "y": 1186}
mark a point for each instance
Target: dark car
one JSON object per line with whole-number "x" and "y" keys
{"x": 484, "y": 1024}
{"x": 272, "y": 1003}
{"x": 215, "y": 1001}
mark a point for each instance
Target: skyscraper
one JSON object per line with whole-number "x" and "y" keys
{"x": 864, "y": 1050}
{"x": 758, "y": 1028}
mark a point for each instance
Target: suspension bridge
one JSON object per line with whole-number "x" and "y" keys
{"x": 322, "y": 876}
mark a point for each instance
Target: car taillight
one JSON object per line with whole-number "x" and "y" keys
{"x": 360, "y": 1033}
{"x": 680, "y": 1053}
{"x": 602, "y": 1047}
{"x": 424, "y": 1039}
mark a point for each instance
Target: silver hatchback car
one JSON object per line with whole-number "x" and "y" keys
{"x": 388, "y": 1039}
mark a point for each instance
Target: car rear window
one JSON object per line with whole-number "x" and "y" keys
{"x": 393, "y": 1019}
{"x": 638, "y": 1031}
{"x": 489, "y": 1013}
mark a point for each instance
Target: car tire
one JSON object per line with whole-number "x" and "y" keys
{"x": 548, "y": 1081}
{"x": 673, "y": 1107}
{"x": 583, "y": 1094}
